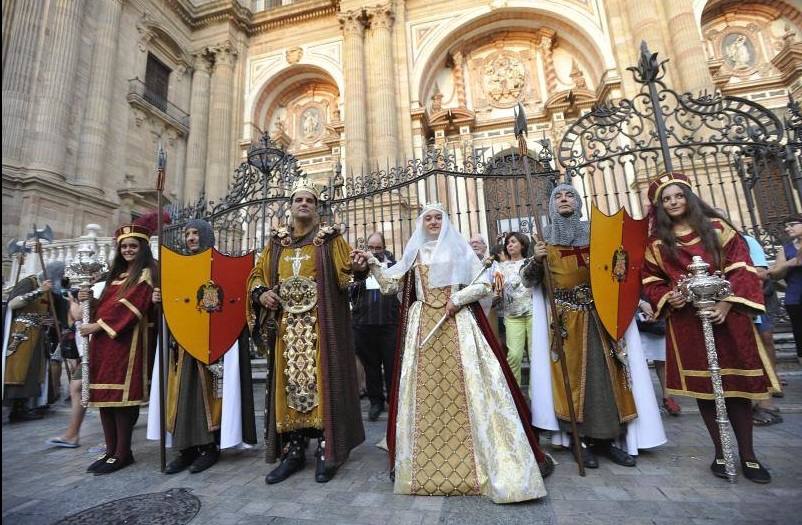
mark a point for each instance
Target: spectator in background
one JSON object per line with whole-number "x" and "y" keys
{"x": 375, "y": 328}
{"x": 517, "y": 301}
{"x": 788, "y": 266}
{"x": 764, "y": 412}
{"x": 497, "y": 283}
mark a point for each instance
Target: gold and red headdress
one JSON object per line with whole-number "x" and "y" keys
{"x": 142, "y": 227}
{"x": 657, "y": 185}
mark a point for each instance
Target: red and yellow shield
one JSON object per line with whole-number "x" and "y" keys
{"x": 617, "y": 247}
{"x": 204, "y": 300}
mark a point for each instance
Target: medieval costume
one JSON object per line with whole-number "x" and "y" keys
{"x": 29, "y": 338}
{"x": 312, "y": 388}
{"x": 611, "y": 388}
{"x": 122, "y": 346}
{"x": 208, "y": 407}
{"x": 746, "y": 369}
{"x": 458, "y": 423}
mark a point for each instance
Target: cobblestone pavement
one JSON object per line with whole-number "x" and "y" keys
{"x": 670, "y": 485}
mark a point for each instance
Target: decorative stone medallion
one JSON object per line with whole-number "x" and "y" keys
{"x": 504, "y": 78}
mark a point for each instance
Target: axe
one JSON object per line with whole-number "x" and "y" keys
{"x": 17, "y": 249}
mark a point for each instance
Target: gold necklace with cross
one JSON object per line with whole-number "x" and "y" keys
{"x": 296, "y": 261}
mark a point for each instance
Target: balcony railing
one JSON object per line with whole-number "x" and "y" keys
{"x": 139, "y": 92}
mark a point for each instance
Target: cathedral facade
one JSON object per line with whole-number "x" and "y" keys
{"x": 92, "y": 88}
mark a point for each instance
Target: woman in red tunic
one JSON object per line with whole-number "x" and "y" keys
{"x": 682, "y": 226}
{"x": 122, "y": 345}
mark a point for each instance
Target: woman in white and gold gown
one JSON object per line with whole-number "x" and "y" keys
{"x": 458, "y": 423}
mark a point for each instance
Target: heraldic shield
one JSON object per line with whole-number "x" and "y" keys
{"x": 617, "y": 247}
{"x": 204, "y": 300}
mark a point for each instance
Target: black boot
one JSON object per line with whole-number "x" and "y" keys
{"x": 182, "y": 461}
{"x": 294, "y": 460}
{"x": 323, "y": 473}
{"x": 376, "y": 408}
{"x": 20, "y": 412}
{"x": 207, "y": 456}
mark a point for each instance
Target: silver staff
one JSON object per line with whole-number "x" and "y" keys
{"x": 81, "y": 270}
{"x": 486, "y": 263}
{"x": 703, "y": 291}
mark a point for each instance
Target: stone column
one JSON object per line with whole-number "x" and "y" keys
{"x": 356, "y": 124}
{"x": 218, "y": 161}
{"x": 384, "y": 134}
{"x": 19, "y": 59}
{"x": 546, "y": 45}
{"x": 95, "y": 130}
{"x": 46, "y": 136}
{"x": 645, "y": 25}
{"x": 688, "y": 53}
{"x": 198, "y": 129}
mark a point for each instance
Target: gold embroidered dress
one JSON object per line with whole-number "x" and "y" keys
{"x": 457, "y": 430}
{"x": 299, "y": 378}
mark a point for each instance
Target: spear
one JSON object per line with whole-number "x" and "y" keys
{"x": 520, "y": 134}
{"x": 162, "y": 336}
{"x": 47, "y": 234}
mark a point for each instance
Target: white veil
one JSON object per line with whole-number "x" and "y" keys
{"x": 451, "y": 259}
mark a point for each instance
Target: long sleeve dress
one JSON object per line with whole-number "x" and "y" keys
{"x": 746, "y": 370}
{"x": 457, "y": 430}
{"x": 121, "y": 354}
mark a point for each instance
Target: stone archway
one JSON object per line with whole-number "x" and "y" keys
{"x": 301, "y": 110}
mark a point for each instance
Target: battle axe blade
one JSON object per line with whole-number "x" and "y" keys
{"x": 45, "y": 233}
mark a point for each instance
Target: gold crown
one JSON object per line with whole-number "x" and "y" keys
{"x": 304, "y": 184}
{"x": 433, "y": 206}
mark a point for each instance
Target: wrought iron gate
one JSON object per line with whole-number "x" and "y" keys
{"x": 734, "y": 150}
{"x": 483, "y": 190}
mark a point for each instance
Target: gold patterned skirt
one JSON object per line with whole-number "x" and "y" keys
{"x": 457, "y": 429}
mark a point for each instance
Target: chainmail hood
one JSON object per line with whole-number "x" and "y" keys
{"x": 566, "y": 231}
{"x": 204, "y": 230}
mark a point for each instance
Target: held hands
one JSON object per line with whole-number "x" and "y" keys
{"x": 359, "y": 260}
{"x": 157, "y": 295}
{"x": 540, "y": 251}
{"x": 89, "y": 329}
{"x": 718, "y": 312}
{"x": 84, "y": 294}
{"x": 269, "y": 300}
{"x": 46, "y": 286}
{"x": 676, "y": 300}
{"x": 452, "y": 309}
{"x": 646, "y": 308}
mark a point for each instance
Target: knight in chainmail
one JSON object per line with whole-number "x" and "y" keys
{"x": 602, "y": 400}
{"x": 30, "y": 341}
{"x": 194, "y": 403}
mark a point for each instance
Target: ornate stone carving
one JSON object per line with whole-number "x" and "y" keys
{"x": 459, "y": 81}
{"x": 381, "y": 16}
{"x": 352, "y": 22}
{"x": 224, "y": 53}
{"x": 311, "y": 123}
{"x": 437, "y": 99}
{"x": 504, "y": 78}
{"x": 294, "y": 55}
{"x": 200, "y": 61}
{"x": 577, "y": 76}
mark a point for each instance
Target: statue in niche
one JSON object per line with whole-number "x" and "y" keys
{"x": 738, "y": 51}
{"x": 310, "y": 124}
{"x": 504, "y": 79}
